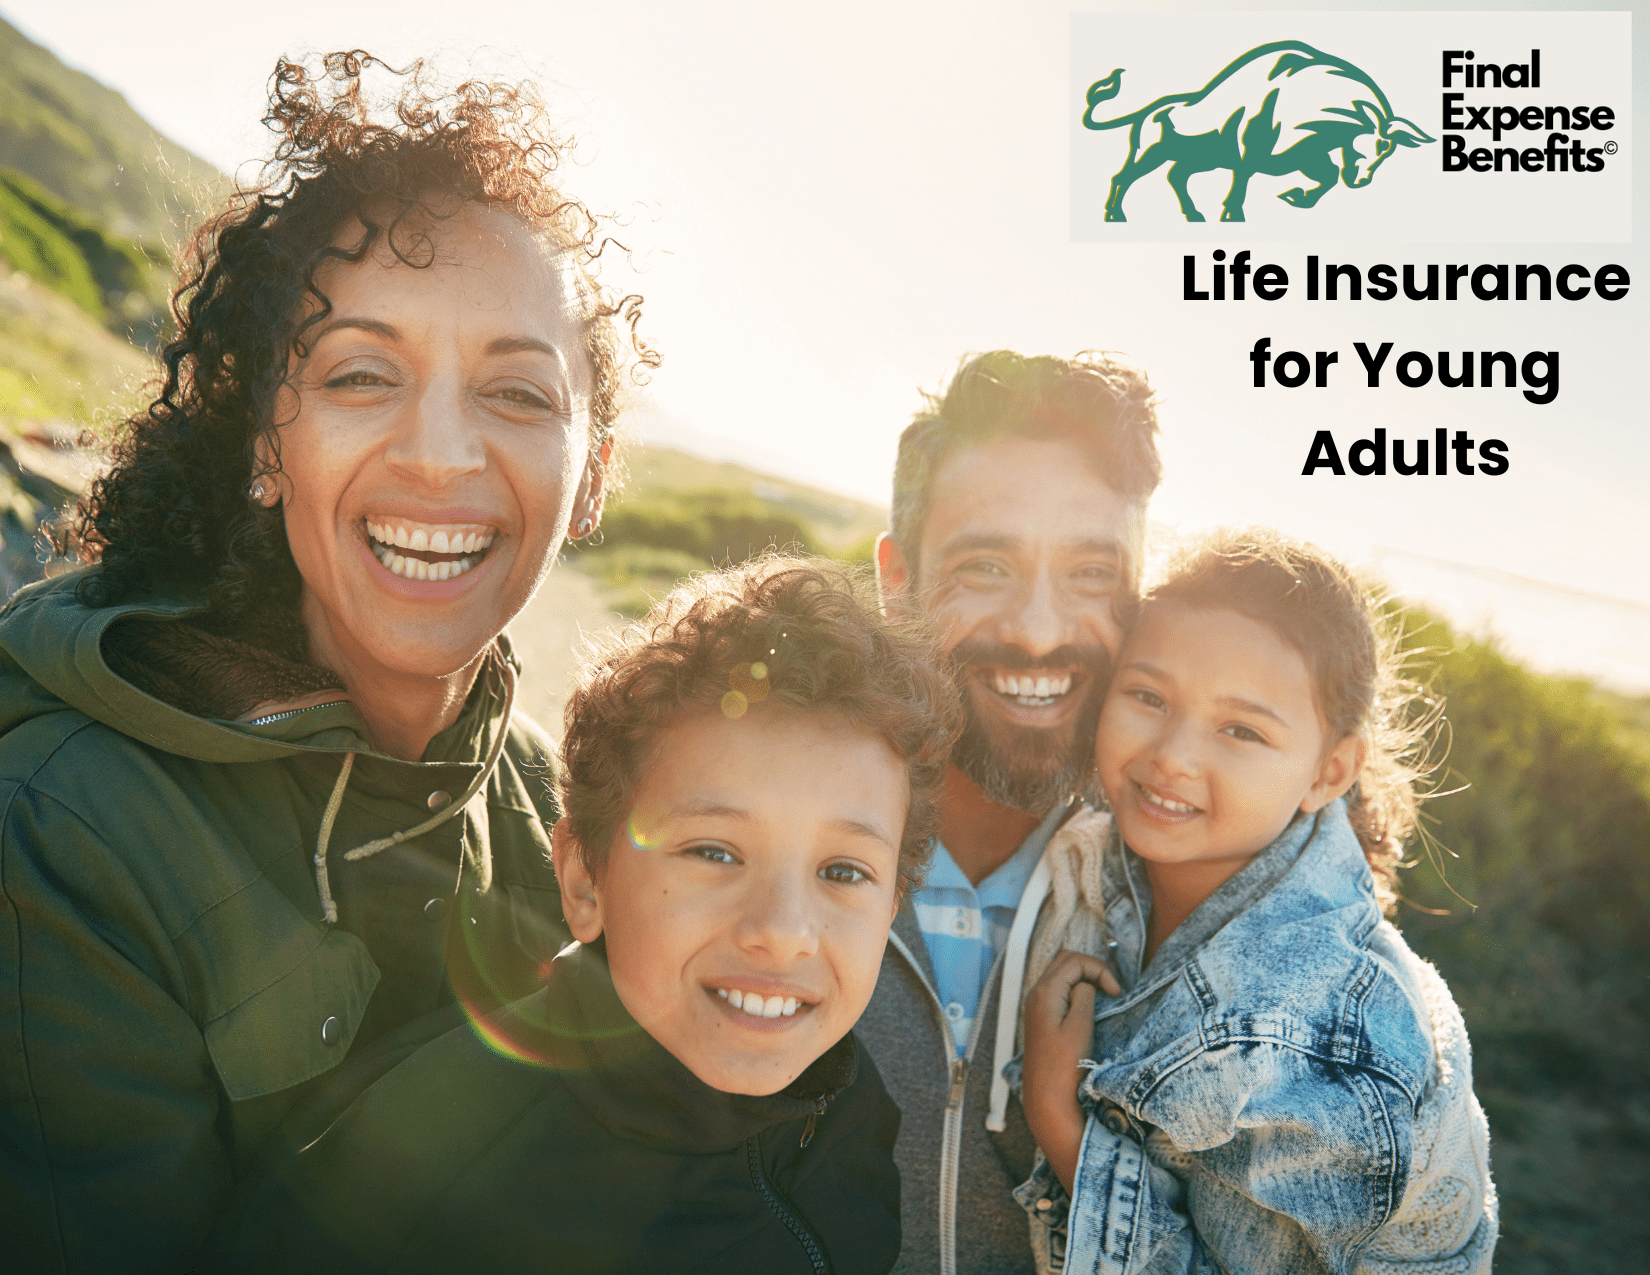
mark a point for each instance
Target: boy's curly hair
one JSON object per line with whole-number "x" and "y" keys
{"x": 173, "y": 514}
{"x": 800, "y": 632}
{"x": 1314, "y": 603}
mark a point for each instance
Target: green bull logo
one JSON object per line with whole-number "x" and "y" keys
{"x": 1278, "y": 109}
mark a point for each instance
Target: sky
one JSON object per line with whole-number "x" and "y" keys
{"x": 828, "y": 206}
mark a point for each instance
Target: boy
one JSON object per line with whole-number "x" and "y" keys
{"x": 749, "y": 783}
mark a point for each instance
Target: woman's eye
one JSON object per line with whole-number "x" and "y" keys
{"x": 1249, "y": 733}
{"x": 523, "y": 396}
{"x": 357, "y": 378}
{"x": 1151, "y": 699}
{"x": 843, "y": 874}
{"x": 711, "y": 853}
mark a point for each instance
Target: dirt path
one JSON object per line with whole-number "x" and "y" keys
{"x": 548, "y": 635}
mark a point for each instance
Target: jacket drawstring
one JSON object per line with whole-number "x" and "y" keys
{"x": 1014, "y": 976}
{"x": 323, "y": 884}
{"x": 1070, "y": 868}
{"x": 329, "y": 909}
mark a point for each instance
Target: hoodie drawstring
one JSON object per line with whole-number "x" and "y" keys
{"x": 1070, "y": 871}
{"x": 329, "y": 909}
{"x": 1014, "y": 976}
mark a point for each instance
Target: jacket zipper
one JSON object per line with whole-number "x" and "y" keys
{"x": 794, "y": 1224}
{"x": 951, "y": 1136}
{"x": 291, "y": 712}
{"x": 813, "y": 1119}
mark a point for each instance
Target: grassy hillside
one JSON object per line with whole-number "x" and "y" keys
{"x": 57, "y": 363}
{"x": 117, "y": 282}
{"x": 839, "y": 522}
{"x": 92, "y": 203}
{"x": 86, "y": 145}
{"x": 77, "y": 308}
{"x": 680, "y": 513}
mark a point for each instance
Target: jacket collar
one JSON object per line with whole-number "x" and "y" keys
{"x": 1315, "y": 867}
{"x": 629, "y": 1083}
{"x": 58, "y": 641}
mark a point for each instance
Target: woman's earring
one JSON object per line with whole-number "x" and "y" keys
{"x": 583, "y": 529}
{"x": 256, "y": 492}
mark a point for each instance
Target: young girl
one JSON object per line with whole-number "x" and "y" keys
{"x": 1271, "y": 1081}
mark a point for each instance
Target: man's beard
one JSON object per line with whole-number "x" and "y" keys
{"x": 1029, "y": 768}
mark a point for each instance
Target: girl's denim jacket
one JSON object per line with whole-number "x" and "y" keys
{"x": 1284, "y": 1087}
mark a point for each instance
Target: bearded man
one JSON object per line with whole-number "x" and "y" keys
{"x": 1018, "y": 519}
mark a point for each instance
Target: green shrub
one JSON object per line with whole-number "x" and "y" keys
{"x": 1547, "y": 949}
{"x": 1550, "y": 816}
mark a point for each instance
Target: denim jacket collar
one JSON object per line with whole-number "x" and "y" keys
{"x": 1315, "y": 867}
{"x": 1128, "y": 895}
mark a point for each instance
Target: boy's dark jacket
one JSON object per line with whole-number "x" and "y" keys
{"x": 599, "y": 1153}
{"x": 168, "y": 988}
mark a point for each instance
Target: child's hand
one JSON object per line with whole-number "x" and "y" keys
{"x": 1059, "y": 1021}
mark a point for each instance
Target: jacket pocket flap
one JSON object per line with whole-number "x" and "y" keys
{"x": 536, "y": 921}
{"x": 297, "y": 1027}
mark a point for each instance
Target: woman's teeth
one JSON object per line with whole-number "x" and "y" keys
{"x": 1177, "y": 807}
{"x": 1032, "y": 691}
{"x": 756, "y": 1005}
{"x": 385, "y": 538}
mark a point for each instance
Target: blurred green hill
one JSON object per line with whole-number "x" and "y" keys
{"x": 93, "y": 204}
{"x": 679, "y": 513}
{"x": 85, "y": 144}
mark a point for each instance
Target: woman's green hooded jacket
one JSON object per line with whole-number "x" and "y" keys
{"x": 169, "y": 986}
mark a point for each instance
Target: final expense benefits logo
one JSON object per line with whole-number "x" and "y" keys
{"x": 1281, "y": 108}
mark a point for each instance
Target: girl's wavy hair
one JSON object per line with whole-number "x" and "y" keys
{"x": 1352, "y": 653}
{"x": 173, "y": 511}
{"x": 799, "y": 632}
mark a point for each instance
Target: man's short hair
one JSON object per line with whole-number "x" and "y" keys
{"x": 1102, "y": 407}
{"x": 799, "y": 632}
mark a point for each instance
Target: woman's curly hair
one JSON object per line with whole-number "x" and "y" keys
{"x": 172, "y": 514}
{"x": 800, "y": 632}
{"x": 1313, "y": 603}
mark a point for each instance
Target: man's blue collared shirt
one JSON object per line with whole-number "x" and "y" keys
{"x": 965, "y": 926}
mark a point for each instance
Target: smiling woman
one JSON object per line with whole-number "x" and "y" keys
{"x": 434, "y": 446}
{"x": 265, "y": 798}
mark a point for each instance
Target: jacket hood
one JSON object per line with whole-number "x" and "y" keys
{"x": 59, "y": 652}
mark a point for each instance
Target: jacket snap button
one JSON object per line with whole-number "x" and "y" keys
{"x": 435, "y": 909}
{"x": 332, "y": 1031}
{"x": 439, "y": 800}
{"x": 1044, "y": 1204}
